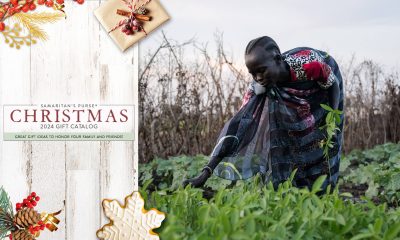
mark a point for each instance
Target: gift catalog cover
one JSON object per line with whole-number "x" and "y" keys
{"x": 208, "y": 120}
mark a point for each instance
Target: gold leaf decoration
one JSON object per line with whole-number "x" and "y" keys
{"x": 31, "y": 22}
{"x": 14, "y": 38}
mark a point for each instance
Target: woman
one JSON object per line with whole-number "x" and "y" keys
{"x": 278, "y": 127}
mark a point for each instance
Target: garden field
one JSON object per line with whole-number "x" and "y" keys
{"x": 364, "y": 206}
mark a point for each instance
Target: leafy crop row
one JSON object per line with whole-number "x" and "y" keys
{"x": 378, "y": 169}
{"x": 169, "y": 174}
{"x": 251, "y": 210}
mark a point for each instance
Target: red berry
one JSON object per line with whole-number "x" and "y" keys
{"x": 32, "y": 6}
{"x": 1, "y": 14}
{"x": 42, "y": 227}
{"x": 37, "y": 198}
{"x": 18, "y": 206}
{"x": 14, "y": 2}
{"x": 40, "y": 2}
{"x": 29, "y": 198}
{"x": 33, "y": 194}
{"x": 34, "y": 203}
{"x": 37, "y": 228}
{"x": 60, "y": 1}
{"x": 48, "y": 225}
{"x": 80, "y": 1}
{"x": 26, "y": 201}
{"x": 29, "y": 205}
{"x": 10, "y": 236}
{"x": 49, "y": 3}
{"x": 32, "y": 231}
{"x": 25, "y": 9}
{"x": 41, "y": 222}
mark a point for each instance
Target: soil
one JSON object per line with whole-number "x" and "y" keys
{"x": 356, "y": 190}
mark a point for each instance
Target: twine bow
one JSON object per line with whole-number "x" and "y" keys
{"x": 135, "y": 17}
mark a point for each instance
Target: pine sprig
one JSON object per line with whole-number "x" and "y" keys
{"x": 31, "y": 22}
{"x": 6, "y": 214}
{"x": 5, "y": 202}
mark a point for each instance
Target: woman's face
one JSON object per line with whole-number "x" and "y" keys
{"x": 264, "y": 65}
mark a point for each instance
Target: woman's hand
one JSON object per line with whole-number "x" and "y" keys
{"x": 198, "y": 181}
{"x": 258, "y": 88}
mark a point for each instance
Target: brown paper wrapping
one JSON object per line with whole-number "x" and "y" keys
{"x": 108, "y": 18}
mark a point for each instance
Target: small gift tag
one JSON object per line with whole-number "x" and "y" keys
{"x": 128, "y": 21}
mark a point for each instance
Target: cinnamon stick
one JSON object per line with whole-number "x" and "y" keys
{"x": 128, "y": 14}
{"x": 123, "y": 13}
{"x": 142, "y": 17}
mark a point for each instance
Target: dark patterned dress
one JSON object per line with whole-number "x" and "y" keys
{"x": 278, "y": 130}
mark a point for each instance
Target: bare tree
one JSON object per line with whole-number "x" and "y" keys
{"x": 185, "y": 99}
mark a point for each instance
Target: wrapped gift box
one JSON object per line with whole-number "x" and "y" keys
{"x": 108, "y": 18}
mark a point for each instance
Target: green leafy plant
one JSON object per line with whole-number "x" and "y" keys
{"x": 332, "y": 120}
{"x": 161, "y": 174}
{"x": 377, "y": 169}
{"x": 251, "y": 210}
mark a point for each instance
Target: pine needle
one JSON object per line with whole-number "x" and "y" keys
{"x": 31, "y": 22}
{"x": 5, "y": 203}
{"x": 6, "y": 214}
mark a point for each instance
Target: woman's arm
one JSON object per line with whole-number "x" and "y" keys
{"x": 200, "y": 180}
{"x": 215, "y": 160}
{"x": 334, "y": 92}
{"x": 317, "y": 69}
